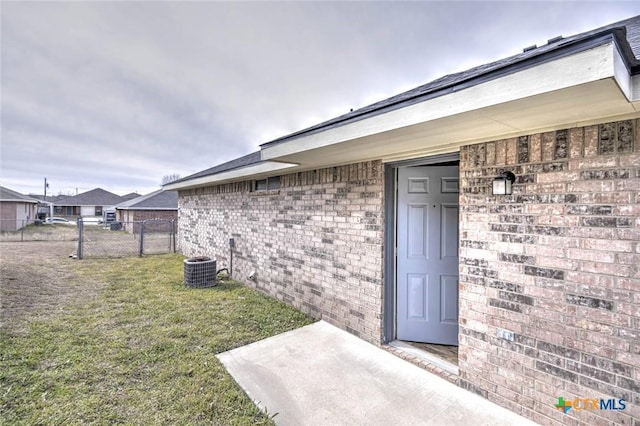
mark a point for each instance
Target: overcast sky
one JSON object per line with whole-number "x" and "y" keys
{"x": 116, "y": 95}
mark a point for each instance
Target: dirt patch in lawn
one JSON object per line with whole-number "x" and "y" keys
{"x": 37, "y": 282}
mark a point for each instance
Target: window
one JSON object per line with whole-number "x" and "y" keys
{"x": 268, "y": 184}
{"x": 260, "y": 185}
{"x": 98, "y": 211}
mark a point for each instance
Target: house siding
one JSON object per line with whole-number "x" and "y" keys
{"x": 139, "y": 215}
{"x": 124, "y": 215}
{"x": 556, "y": 264}
{"x": 8, "y": 216}
{"x": 315, "y": 243}
{"x": 16, "y": 215}
{"x": 164, "y": 220}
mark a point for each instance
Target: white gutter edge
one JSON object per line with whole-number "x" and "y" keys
{"x": 622, "y": 77}
{"x": 32, "y": 201}
{"x": 266, "y": 167}
{"x": 148, "y": 208}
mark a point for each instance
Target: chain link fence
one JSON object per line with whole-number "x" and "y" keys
{"x": 121, "y": 239}
{"x": 36, "y": 230}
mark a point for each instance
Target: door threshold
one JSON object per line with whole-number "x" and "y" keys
{"x": 424, "y": 359}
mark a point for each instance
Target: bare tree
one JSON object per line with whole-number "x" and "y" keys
{"x": 169, "y": 178}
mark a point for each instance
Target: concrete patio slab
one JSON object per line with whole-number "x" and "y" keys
{"x": 321, "y": 375}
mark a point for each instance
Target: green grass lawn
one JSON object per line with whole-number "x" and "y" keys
{"x": 141, "y": 351}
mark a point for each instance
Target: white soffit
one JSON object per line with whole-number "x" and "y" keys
{"x": 573, "y": 89}
{"x": 244, "y": 173}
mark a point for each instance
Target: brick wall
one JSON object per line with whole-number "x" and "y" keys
{"x": 8, "y": 216}
{"x": 557, "y": 264}
{"x": 139, "y": 215}
{"x": 132, "y": 216}
{"x": 315, "y": 243}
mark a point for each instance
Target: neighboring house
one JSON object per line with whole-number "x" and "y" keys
{"x": 90, "y": 203}
{"x": 50, "y": 198}
{"x": 45, "y": 207}
{"x": 159, "y": 205}
{"x": 16, "y": 210}
{"x": 383, "y": 222}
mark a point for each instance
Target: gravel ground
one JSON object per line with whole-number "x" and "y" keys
{"x": 37, "y": 282}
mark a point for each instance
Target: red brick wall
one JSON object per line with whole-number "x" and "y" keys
{"x": 556, "y": 264}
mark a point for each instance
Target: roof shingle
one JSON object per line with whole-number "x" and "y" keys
{"x": 7, "y": 194}
{"x": 95, "y": 197}
{"x": 627, "y": 32}
{"x": 157, "y": 200}
{"x": 630, "y": 27}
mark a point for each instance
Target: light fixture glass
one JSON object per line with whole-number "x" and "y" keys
{"x": 502, "y": 185}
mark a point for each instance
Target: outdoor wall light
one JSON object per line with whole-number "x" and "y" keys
{"x": 503, "y": 183}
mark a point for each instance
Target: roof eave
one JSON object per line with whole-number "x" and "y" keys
{"x": 564, "y": 49}
{"x": 147, "y": 208}
{"x": 242, "y": 173}
{"x": 593, "y": 63}
{"x": 18, "y": 200}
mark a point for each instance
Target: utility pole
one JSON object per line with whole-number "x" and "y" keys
{"x": 44, "y": 199}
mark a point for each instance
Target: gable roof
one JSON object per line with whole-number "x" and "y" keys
{"x": 7, "y": 194}
{"x": 95, "y": 197}
{"x": 157, "y": 200}
{"x": 437, "y": 97}
{"x": 627, "y": 32}
{"x": 246, "y": 160}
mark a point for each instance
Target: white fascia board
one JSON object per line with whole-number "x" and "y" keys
{"x": 248, "y": 172}
{"x": 19, "y": 200}
{"x": 583, "y": 67}
{"x": 622, "y": 76}
{"x": 635, "y": 88}
{"x": 147, "y": 208}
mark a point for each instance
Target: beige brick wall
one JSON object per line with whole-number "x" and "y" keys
{"x": 154, "y": 215}
{"x": 557, "y": 264}
{"x": 315, "y": 243}
{"x": 132, "y": 217}
{"x": 139, "y": 215}
{"x": 8, "y": 216}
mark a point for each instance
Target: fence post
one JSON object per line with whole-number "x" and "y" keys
{"x": 22, "y": 232}
{"x": 170, "y": 235}
{"x": 173, "y": 234}
{"x": 141, "y": 251}
{"x": 80, "y": 237}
